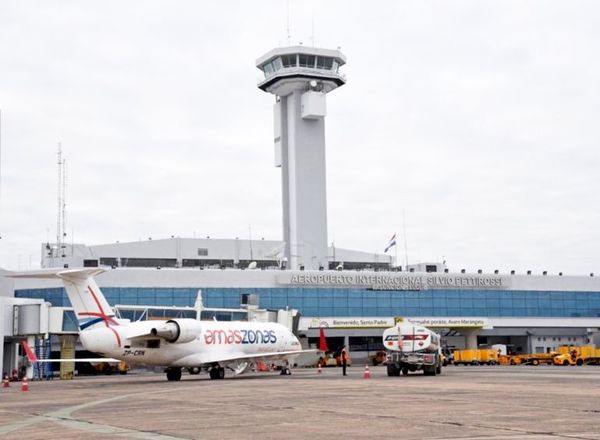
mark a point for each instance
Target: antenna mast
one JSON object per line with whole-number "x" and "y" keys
{"x": 288, "y": 23}
{"x": 64, "y": 208}
{"x": 61, "y": 231}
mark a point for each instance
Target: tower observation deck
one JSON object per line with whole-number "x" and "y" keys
{"x": 300, "y": 77}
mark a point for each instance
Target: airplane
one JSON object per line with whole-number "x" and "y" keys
{"x": 173, "y": 343}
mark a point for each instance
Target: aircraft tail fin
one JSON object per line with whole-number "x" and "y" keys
{"x": 90, "y": 305}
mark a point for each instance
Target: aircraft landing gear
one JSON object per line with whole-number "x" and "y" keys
{"x": 173, "y": 373}
{"x": 285, "y": 370}
{"x": 217, "y": 372}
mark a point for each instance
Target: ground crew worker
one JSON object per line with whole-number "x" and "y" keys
{"x": 344, "y": 356}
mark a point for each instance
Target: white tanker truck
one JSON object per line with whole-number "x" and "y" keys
{"x": 412, "y": 347}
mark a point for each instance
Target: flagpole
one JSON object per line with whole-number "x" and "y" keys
{"x": 396, "y": 252}
{"x": 405, "y": 245}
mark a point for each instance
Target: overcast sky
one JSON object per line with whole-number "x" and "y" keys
{"x": 477, "y": 121}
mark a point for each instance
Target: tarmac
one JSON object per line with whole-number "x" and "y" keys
{"x": 499, "y": 402}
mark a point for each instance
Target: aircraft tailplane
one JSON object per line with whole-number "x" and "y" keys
{"x": 90, "y": 305}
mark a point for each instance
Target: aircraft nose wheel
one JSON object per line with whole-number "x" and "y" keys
{"x": 285, "y": 371}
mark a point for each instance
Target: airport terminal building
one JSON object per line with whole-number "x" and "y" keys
{"x": 533, "y": 313}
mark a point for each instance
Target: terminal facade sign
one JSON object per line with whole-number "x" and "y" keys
{"x": 346, "y": 322}
{"x": 387, "y": 322}
{"x": 446, "y": 322}
{"x": 394, "y": 281}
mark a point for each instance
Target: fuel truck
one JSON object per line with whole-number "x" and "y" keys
{"x": 410, "y": 348}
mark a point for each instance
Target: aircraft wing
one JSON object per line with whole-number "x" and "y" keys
{"x": 226, "y": 357}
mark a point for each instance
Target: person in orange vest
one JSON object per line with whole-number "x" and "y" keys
{"x": 344, "y": 356}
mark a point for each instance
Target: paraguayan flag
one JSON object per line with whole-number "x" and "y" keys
{"x": 391, "y": 243}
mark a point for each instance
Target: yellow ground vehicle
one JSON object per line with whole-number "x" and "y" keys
{"x": 504, "y": 359}
{"x": 333, "y": 360}
{"x": 541, "y": 358}
{"x": 578, "y": 355}
{"x": 378, "y": 358}
{"x": 529, "y": 359}
{"x": 444, "y": 359}
{"x": 487, "y": 356}
{"x": 111, "y": 367}
{"x": 566, "y": 360}
{"x": 466, "y": 357}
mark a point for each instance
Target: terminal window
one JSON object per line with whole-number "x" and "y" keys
{"x": 108, "y": 262}
{"x": 203, "y": 252}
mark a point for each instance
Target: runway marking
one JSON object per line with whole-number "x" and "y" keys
{"x": 64, "y": 417}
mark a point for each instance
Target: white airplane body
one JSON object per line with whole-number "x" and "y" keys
{"x": 174, "y": 343}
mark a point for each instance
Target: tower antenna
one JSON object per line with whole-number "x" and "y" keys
{"x": 61, "y": 231}
{"x": 64, "y": 207}
{"x": 288, "y": 23}
{"x": 312, "y": 24}
{"x": 59, "y": 201}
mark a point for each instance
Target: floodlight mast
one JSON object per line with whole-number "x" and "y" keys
{"x": 300, "y": 77}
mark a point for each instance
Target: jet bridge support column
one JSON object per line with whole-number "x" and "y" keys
{"x": 67, "y": 351}
{"x": 470, "y": 338}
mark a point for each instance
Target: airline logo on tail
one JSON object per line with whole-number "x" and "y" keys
{"x": 96, "y": 317}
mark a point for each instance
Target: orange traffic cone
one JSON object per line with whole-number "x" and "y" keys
{"x": 319, "y": 368}
{"x": 25, "y": 384}
{"x": 5, "y": 381}
{"x": 367, "y": 373}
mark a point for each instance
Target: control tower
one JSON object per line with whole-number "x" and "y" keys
{"x": 300, "y": 77}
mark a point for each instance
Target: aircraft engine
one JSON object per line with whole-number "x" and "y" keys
{"x": 178, "y": 331}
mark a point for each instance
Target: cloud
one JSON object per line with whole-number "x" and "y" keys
{"x": 474, "y": 121}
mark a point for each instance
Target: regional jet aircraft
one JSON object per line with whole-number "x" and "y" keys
{"x": 174, "y": 343}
